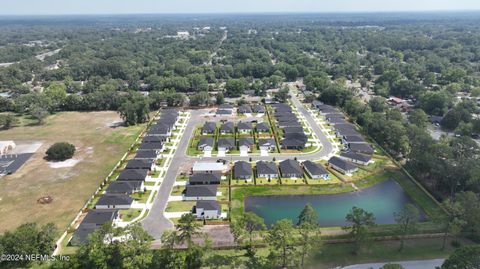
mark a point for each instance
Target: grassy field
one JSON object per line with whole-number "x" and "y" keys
{"x": 99, "y": 148}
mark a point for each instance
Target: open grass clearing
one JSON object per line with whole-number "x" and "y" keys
{"x": 99, "y": 145}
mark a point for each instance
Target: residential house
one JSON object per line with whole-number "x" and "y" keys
{"x": 147, "y": 154}
{"x": 294, "y": 141}
{"x": 267, "y": 144}
{"x": 160, "y": 129}
{"x": 227, "y": 128}
{"x": 244, "y": 127}
{"x": 125, "y": 187}
{"x": 335, "y": 120}
{"x": 352, "y": 139}
{"x": 290, "y": 130}
{"x": 245, "y": 144}
{"x": 262, "y": 127}
{"x": 133, "y": 175}
{"x": 315, "y": 170}
{"x": 342, "y": 165}
{"x": 364, "y": 148}
{"x": 209, "y": 128}
{"x": 226, "y": 144}
{"x": 94, "y": 219}
{"x": 266, "y": 170}
{"x": 205, "y": 178}
{"x": 243, "y": 170}
{"x": 155, "y": 139}
{"x": 244, "y": 109}
{"x": 355, "y": 157}
{"x": 147, "y": 164}
{"x": 344, "y": 129}
{"x": 205, "y": 144}
{"x": 290, "y": 169}
{"x": 207, "y": 210}
{"x": 259, "y": 109}
{"x": 200, "y": 192}
{"x": 158, "y": 146}
{"x": 207, "y": 167}
{"x": 114, "y": 201}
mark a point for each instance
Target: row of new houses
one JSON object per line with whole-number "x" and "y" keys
{"x": 131, "y": 179}
{"x": 294, "y": 136}
{"x": 228, "y": 110}
{"x": 227, "y": 128}
{"x": 227, "y": 144}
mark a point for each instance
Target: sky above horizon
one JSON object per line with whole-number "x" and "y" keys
{"x": 63, "y": 7}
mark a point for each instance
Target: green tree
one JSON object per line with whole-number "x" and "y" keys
{"x": 360, "y": 221}
{"x": 187, "y": 228}
{"x": 235, "y": 87}
{"x": 39, "y": 113}
{"x": 281, "y": 240}
{"x": 463, "y": 258}
{"x": 27, "y": 239}
{"x": 378, "y": 104}
{"x": 220, "y": 99}
{"x": 407, "y": 220}
{"x": 57, "y": 92}
{"x": 309, "y": 231}
{"x": 419, "y": 118}
{"x": 453, "y": 221}
{"x": 60, "y": 151}
{"x": 282, "y": 95}
{"x": 8, "y": 120}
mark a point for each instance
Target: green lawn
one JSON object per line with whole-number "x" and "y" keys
{"x": 129, "y": 214}
{"x": 177, "y": 190}
{"x": 179, "y": 206}
{"x": 141, "y": 197}
{"x": 265, "y": 181}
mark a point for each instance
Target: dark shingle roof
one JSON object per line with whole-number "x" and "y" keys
{"x": 151, "y": 146}
{"x": 244, "y": 126}
{"x": 341, "y": 163}
{"x": 241, "y": 169}
{"x": 361, "y": 147}
{"x": 266, "y": 168}
{"x": 201, "y": 190}
{"x": 244, "y": 109}
{"x": 133, "y": 174}
{"x": 205, "y": 177}
{"x": 314, "y": 168}
{"x": 154, "y": 139}
{"x": 293, "y": 129}
{"x": 139, "y": 164}
{"x": 123, "y": 186}
{"x": 355, "y": 156}
{"x": 258, "y": 109}
{"x": 209, "y": 127}
{"x": 228, "y": 127}
{"x": 114, "y": 199}
{"x": 100, "y": 216}
{"x": 245, "y": 141}
{"x": 226, "y": 142}
{"x": 146, "y": 154}
{"x": 263, "y": 126}
{"x": 205, "y": 141}
{"x": 290, "y": 166}
{"x": 353, "y": 138}
{"x": 294, "y": 140}
{"x": 209, "y": 205}
{"x": 265, "y": 141}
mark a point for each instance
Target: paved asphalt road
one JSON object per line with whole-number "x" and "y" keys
{"x": 420, "y": 264}
{"x": 156, "y": 223}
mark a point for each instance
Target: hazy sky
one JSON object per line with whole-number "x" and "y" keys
{"x": 15, "y": 7}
